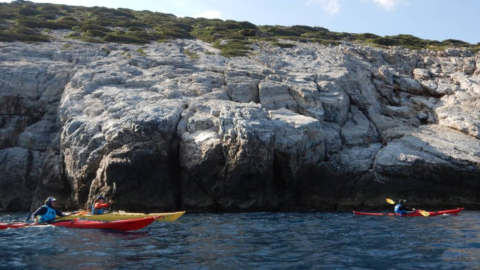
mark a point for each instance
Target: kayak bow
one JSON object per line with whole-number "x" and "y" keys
{"x": 118, "y": 225}
{"x": 4, "y": 226}
{"x": 416, "y": 214}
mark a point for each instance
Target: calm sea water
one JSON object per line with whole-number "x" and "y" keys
{"x": 253, "y": 241}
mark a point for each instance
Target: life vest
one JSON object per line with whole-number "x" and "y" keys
{"x": 98, "y": 211}
{"x": 49, "y": 216}
{"x": 399, "y": 210}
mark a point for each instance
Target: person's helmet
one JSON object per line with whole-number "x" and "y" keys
{"x": 403, "y": 201}
{"x": 49, "y": 200}
{"x": 99, "y": 198}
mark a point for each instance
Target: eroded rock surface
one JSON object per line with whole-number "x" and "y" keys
{"x": 310, "y": 127}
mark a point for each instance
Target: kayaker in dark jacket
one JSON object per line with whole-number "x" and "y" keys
{"x": 47, "y": 212}
{"x": 402, "y": 209}
{"x": 99, "y": 206}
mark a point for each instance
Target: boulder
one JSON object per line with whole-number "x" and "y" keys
{"x": 358, "y": 130}
{"x": 421, "y": 74}
{"x": 429, "y": 163}
{"x": 275, "y": 95}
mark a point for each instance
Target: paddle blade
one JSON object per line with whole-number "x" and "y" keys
{"x": 424, "y": 213}
{"x": 390, "y": 201}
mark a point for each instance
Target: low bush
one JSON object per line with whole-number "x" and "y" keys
{"x": 68, "y": 21}
{"x": 22, "y": 34}
{"x": 365, "y": 36}
{"x": 73, "y": 35}
{"x": 131, "y": 23}
{"x": 142, "y": 35}
{"x": 91, "y": 39}
{"x": 248, "y": 32}
{"x": 141, "y": 51}
{"x": 45, "y": 17}
{"x": 181, "y": 26}
{"x": 36, "y": 23}
{"x": 282, "y": 31}
{"x": 381, "y": 41}
{"x": 8, "y": 12}
{"x": 302, "y": 29}
{"x": 438, "y": 48}
{"x": 234, "y": 48}
{"x": 124, "y": 39}
{"x": 47, "y": 8}
{"x": 475, "y": 49}
{"x": 283, "y": 45}
{"x": 172, "y": 33}
{"x": 92, "y": 27}
{"x": 329, "y": 42}
{"x": 135, "y": 28}
{"x": 28, "y": 11}
{"x": 191, "y": 54}
{"x": 95, "y": 33}
{"x": 455, "y": 42}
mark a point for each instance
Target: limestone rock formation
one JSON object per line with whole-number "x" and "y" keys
{"x": 308, "y": 127}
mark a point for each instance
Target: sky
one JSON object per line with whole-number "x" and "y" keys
{"x": 428, "y": 19}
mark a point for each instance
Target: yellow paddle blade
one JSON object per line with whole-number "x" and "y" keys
{"x": 424, "y": 213}
{"x": 390, "y": 201}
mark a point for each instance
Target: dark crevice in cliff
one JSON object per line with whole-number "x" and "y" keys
{"x": 257, "y": 92}
{"x": 297, "y": 107}
{"x": 339, "y": 192}
{"x": 363, "y": 191}
{"x": 286, "y": 190}
{"x": 175, "y": 168}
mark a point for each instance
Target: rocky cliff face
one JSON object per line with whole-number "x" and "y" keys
{"x": 311, "y": 127}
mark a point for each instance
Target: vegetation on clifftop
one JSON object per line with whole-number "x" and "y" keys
{"x": 24, "y": 21}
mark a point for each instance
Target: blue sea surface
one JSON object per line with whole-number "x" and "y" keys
{"x": 253, "y": 241}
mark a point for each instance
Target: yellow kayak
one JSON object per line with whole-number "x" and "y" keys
{"x": 172, "y": 216}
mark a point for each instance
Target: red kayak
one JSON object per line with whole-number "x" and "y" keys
{"x": 118, "y": 225}
{"x": 416, "y": 214}
{"x": 4, "y": 226}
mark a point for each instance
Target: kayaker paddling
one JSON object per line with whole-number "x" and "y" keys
{"x": 47, "y": 212}
{"x": 402, "y": 209}
{"x": 99, "y": 206}
{"x": 418, "y": 213}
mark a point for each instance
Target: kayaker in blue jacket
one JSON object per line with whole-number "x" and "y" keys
{"x": 402, "y": 209}
{"x": 47, "y": 212}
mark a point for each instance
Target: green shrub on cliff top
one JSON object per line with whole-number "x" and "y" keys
{"x": 87, "y": 27}
{"x": 234, "y": 48}
{"x": 145, "y": 26}
{"x": 95, "y": 33}
{"x": 28, "y": 11}
{"x": 22, "y": 34}
{"x": 118, "y": 38}
{"x": 283, "y": 45}
{"x": 38, "y": 23}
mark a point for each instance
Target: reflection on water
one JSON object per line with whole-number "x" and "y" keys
{"x": 253, "y": 240}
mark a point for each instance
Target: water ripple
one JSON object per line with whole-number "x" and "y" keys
{"x": 253, "y": 241}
